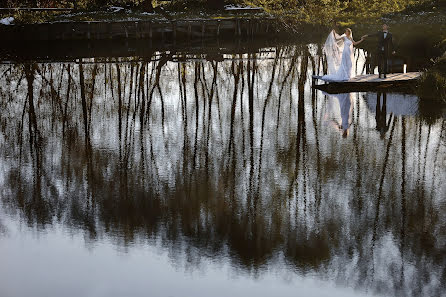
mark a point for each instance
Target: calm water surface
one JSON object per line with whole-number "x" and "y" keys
{"x": 189, "y": 176}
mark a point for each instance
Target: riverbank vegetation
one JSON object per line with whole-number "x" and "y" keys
{"x": 308, "y": 11}
{"x": 433, "y": 82}
{"x": 347, "y": 11}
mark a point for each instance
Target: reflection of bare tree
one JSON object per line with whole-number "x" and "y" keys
{"x": 33, "y": 130}
{"x": 225, "y": 158}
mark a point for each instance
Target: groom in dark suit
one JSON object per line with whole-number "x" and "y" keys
{"x": 385, "y": 46}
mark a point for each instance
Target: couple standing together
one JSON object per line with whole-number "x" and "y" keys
{"x": 339, "y": 52}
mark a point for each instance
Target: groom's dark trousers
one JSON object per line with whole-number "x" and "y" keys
{"x": 383, "y": 68}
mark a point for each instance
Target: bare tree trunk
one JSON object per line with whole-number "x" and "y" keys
{"x": 147, "y": 6}
{"x": 215, "y": 4}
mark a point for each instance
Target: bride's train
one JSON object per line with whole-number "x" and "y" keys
{"x": 338, "y": 50}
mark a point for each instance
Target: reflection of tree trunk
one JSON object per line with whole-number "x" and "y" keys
{"x": 33, "y": 130}
{"x": 141, "y": 94}
{"x": 34, "y": 137}
{"x": 302, "y": 124}
{"x": 64, "y": 110}
{"x": 267, "y": 99}
{"x": 209, "y": 124}
{"x": 380, "y": 191}
{"x": 418, "y": 159}
{"x": 403, "y": 198}
{"x": 183, "y": 94}
{"x": 204, "y": 94}
{"x": 236, "y": 74}
{"x": 358, "y": 159}
{"x": 421, "y": 199}
{"x": 423, "y": 179}
{"x": 21, "y": 130}
{"x": 437, "y": 150}
{"x": 129, "y": 106}
{"x": 318, "y": 192}
{"x": 84, "y": 103}
{"x": 293, "y": 64}
{"x": 197, "y": 110}
{"x": 118, "y": 76}
{"x": 93, "y": 84}
{"x": 251, "y": 83}
{"x": 242, "y": 120}
{"x": 156, "y": 85}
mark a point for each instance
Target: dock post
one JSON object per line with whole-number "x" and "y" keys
{"x": 150, "y": 31}
{"x": 218, "y": 28}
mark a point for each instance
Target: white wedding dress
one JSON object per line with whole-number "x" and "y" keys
{"x": 339, "y": 54}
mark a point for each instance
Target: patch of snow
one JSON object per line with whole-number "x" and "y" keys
{"x": 7, "y": 21}
{"x": 239, "y": 7}
{"x": 116, "y": 8}
{"x": 73, "y": 14}
{"x": 148, "y": 13}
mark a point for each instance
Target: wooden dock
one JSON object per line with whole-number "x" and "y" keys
{"x": 367, "y": 82}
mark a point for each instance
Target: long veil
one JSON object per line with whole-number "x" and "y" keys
{"x": 333, "y": 52}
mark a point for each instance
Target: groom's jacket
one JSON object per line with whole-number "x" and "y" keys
{"x": 385, "y": 41}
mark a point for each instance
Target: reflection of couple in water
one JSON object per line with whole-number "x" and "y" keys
{"x": 382, "y": 124}
{"x": 345, "y": 105}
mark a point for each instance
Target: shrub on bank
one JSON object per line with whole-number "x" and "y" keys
{"x": 433, "y": 82}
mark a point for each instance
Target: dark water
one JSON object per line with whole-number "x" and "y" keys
{"x": 187, "y": 176}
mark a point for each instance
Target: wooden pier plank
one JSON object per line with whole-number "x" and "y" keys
{"x": 367, "y": 82}
{"x": 374, "y": 78}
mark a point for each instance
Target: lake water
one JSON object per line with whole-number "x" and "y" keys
{"x": 190, "y": 174}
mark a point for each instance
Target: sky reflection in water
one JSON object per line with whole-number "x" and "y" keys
{"x": 215, "y": 178}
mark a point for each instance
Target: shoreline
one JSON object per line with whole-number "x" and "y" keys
{"x": 150, "y": 29}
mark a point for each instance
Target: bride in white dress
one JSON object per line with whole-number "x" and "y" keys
{"x": 339, "y": 52}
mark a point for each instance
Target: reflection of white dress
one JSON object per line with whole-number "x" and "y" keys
{"x": 342, "y": 70}
{"x": 345, "y": 102}
{"x": 345, "y": 108}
